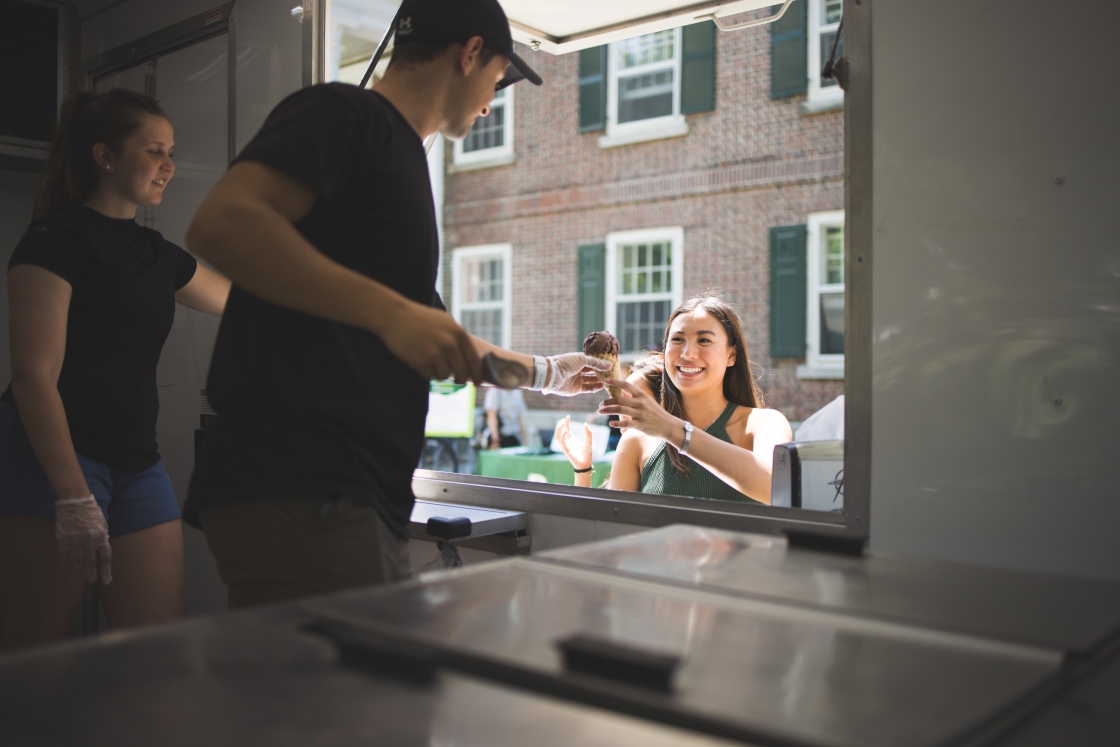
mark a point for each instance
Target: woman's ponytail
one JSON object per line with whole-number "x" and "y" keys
{"x": 85, "y": 120}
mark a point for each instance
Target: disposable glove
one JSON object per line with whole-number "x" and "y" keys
{"x": 83, "y": 538}
{"x": 574, "y": 373}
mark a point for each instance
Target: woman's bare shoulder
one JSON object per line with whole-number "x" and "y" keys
{"x": 764, "y": 420}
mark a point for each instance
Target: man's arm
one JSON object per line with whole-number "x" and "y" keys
{"x": 568, "y": 374}
{"x": 245, "y": 228}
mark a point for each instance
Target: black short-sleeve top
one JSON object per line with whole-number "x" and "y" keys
{"x": 123, "y": 279}
{"x": 308, "y": 407}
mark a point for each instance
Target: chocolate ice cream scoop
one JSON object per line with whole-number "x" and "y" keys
{"x": 601, "y": 343}
{"x": 604, "y": 345}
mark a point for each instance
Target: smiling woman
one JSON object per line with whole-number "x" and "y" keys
{"x": 711, "y": 435}
{"x": 92, "y": 300}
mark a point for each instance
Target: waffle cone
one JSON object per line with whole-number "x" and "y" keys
{"x": 614, "y": 373}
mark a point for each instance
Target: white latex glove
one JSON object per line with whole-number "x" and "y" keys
{"x": 574, "y": 373}
{"x": 83, "y": 538}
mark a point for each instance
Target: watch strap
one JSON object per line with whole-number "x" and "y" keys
{"x": 687, "y": 437}
{"x": 540, "y": 372}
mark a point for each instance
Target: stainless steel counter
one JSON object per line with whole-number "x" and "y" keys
{"x": 1048, "y": 611}
{"x": 250, "y": 679}
{"x": 791, "y": 674}
{"x": 776, "y": 647}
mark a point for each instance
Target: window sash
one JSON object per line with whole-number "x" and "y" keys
{"x": 481, "y": 289}
{"x": 616, "y": 94}
{"x": 819, "y": 290}
{"x": 502, "y": 106}
{"x": 821, "y": 90}
{"x": 632, "y": 332}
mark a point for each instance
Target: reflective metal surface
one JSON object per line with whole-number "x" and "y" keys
{"x": 995, "y": 338}
{"x": 484, "y": 521}
{"x": 1085, "y": 715}
{"x": 241, "y": 680}
{"x": 1049, "y": 611}
{"x": 802, "y": 675}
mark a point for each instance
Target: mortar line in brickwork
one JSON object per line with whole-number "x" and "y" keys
{"x": 706, "y": 181}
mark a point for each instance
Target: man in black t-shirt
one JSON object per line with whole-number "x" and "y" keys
{"x": 325, "y": 224}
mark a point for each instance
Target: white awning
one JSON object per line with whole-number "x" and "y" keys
{"x": 560, "y": 26}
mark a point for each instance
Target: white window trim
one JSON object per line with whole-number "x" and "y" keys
{"x": 819, "y": 99}
{"x": 819, "y": 366}
{"x": 674, "y": 234}
{"x": 500, "y": 156}
{"x": 458, "y": 291}
{"x": 671, "y": 125}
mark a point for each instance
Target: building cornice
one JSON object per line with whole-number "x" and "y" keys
{"x": 757, "y": 175}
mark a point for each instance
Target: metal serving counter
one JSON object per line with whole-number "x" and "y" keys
{"x": 253, "y": 679}
{"x": 779, "y": 673}
{"x": 1071, "y": 615}
{"x": 677, "y": 636}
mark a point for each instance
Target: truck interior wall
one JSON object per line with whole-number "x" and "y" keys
{"x": 996, "y": 346}
{"x": 17, "y": 192}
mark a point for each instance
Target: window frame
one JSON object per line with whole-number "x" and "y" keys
{"x": 497, "y": 156}
{"x": 458, "y": 289}
{"x": 824, "y": 365}
{"x": 818, "y": 95}
{"x": 670, "y": 125}
{"x": 675, "y": 236}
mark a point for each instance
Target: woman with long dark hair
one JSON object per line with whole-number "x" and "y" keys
{"x": 91, "y": 301}
{"x": 711, "y": 436}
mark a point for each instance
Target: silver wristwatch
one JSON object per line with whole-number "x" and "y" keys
{"x": 687, "y": 437}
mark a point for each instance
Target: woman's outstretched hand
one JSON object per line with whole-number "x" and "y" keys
{"x": 636, "y": 409}
{"x": 578, "y": 452}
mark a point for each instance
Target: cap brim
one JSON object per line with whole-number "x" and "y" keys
{"x": 518, "y": 70}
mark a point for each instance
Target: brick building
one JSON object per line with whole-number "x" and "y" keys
{"x": 649, "y": 170}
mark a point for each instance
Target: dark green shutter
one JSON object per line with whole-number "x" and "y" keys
{"x": 789, "y": 63}
{"x": 698, "y": 68}
{"x": 592, "y": 290}
{"x": 787, "y": 292}
{"x": 593, "y": 89}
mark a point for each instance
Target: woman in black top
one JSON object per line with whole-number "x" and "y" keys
{"x": 91, "y": 300}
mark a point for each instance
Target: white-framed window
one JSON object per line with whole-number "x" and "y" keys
{"x": 480, "y": 291}
{"x": 824, "y": 259}
{"x": 643, "y": 285}
{"x": 824, "y": 22}
{"x": 490, "y": 141}
{"x": 644, "y": 88}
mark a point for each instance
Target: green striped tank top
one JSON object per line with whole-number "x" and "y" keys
{"x": 661, "y": 477}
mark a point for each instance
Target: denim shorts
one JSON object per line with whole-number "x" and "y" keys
{"x": 131, "y": 501}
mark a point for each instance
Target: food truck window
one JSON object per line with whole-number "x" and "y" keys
{"x": 663, "y": 170}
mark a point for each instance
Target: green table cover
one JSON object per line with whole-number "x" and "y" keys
{"x": 514, "y": 463}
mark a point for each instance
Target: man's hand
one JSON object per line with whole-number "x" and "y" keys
{"x": 431, "y": 343}
{"x": 574, "y": 373}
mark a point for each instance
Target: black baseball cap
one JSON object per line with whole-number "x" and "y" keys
{"x": 459, "y": 20}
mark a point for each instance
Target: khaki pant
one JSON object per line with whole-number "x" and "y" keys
{"x": 275, "y": 550}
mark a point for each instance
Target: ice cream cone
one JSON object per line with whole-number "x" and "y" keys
{"x": 604, "y": 346}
